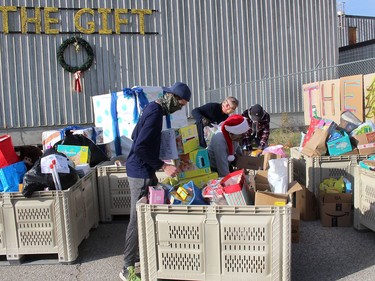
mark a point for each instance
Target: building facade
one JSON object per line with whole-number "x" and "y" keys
{"x": 218, "y": 47}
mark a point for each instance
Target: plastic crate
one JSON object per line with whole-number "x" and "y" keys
{"x": 50, "y": 222}
{"x": 311, "y": 171}
{"x": 2, "y": 231}
{"x": 214, "y": 242}
{"x": 364, "y": 199}
{"x": 114, "y": 191}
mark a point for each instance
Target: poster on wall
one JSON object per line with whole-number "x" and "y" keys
{"x": 351, "y": 93}
{"x": 330, "y": 106}
{"x": 311, "y": 96}
{"x": 369, "y": 96}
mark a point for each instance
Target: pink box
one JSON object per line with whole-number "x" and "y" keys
{"x": 156, "y": 195}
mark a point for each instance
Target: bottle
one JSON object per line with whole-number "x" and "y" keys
{"x": 314, "y": 111}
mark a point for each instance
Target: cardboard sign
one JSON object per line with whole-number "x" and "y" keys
{"x": 329, "y": 106}
{"x": 311, "y": 96}
{"x": 351, "y": 92}
{"x": 369, "y": 97}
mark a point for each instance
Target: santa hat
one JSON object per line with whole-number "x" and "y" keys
{"x": 235, "y": 124}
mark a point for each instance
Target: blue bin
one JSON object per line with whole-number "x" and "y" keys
{"x": 11, "y": 176}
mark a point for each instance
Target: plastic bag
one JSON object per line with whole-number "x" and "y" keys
{"x": 278, "y": 175}
{"x": 35, "y": 180}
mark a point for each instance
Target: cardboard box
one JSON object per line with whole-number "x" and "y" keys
{"x": 187, "y": 139}
{"x": 295, "y": 225}
{"x": 307, "y": 204}
{"x": 8, "y": 155}
{"x": 78, "y": 154}
{"x": 249, "y": 162}
{"x": 276, "y": 199}
{"x": 365, "y": 143}
{"x": 335, "y": 209}
{"x": 193, "y": 164}
{"x": 261, "y": 181}
{"x": 339, "y": 146}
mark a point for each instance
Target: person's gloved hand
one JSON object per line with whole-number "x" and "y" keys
{"x": 206, "y": 121}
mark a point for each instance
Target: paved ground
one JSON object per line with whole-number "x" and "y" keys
{"x": 322, "y": 254}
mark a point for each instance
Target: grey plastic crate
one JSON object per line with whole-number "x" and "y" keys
{"x": 311, "y": 171}
{"x": 50, "y": 222}
{"x": 214, "y": 242}
{"x": 364, "y": 199}
{"x": 114, "y": 191}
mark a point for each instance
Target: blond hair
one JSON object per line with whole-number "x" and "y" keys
{"x": 232, "y": 101}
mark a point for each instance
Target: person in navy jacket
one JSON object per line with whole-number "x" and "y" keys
{"x": 143, "y": 161}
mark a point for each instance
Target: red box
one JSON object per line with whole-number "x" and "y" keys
{"x": 8, "y": 155}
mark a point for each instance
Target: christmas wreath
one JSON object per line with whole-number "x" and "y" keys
{"x": 77, "y": 42}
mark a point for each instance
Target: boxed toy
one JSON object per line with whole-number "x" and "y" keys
{"x": 339, "y": 144}
{"x": 78, "y": 154}
{"x": 187, "y": 139}
{"x": 193, "y": 164}
{"x": 202, "y": 180}
{"x": 156, "y": 195}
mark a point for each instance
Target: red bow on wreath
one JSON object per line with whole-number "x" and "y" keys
{"x": 77, "y": 81}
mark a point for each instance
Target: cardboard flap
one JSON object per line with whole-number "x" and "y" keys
{"x": 316, "y": 146}
{"x": 294, "y": 186}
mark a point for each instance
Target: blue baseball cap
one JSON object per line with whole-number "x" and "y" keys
{"x": 179, "y": 89}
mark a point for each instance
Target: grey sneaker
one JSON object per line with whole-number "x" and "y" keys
{"x": 129, "y": 274}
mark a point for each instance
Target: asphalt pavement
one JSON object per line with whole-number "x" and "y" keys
{"x": 323, "y": 253}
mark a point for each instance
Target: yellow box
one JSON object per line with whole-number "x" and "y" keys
{"x": 187, "y": 139}
{"x": 78, "y": 154}
{"x": 193, "y": 164}
{"x": 182, "y": 192}
{"x": 200, "y": 181}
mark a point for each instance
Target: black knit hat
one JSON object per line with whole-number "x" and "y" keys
{"x": 256, "y": 112}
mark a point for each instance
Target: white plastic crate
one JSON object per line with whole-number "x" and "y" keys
{"x": 364, "y": 199}
{"x": 214, "y": 242}
{"x": 2, "y": 234}
{"x": 114, "y": 191}
{"x": 50, "y": 222}
{"x": 311, "y": 171}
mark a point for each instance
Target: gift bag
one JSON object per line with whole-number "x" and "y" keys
{"x": 234, "y": 186}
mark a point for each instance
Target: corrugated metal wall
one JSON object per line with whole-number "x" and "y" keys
{"x": 216, "y": 47}
{"x": 365, "y": 28}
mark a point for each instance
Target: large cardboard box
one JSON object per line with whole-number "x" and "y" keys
{"x": 335, "y": 209}
{"x": 249, "y": 162}
{"x": 295, "y": 225}
{"x": 276, "y": 199}
{"x": 365, "y": 143}
{"x": 307, "y": 205}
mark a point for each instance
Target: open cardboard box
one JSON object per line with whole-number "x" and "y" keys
{"x": 276, "y": 199}
{"x": 307, "y": 204}
{"x": 249, "y": 162}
